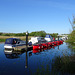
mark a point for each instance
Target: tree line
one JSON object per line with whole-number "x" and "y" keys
{"x": 36, "y": 33}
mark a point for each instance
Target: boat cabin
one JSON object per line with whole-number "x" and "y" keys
{"x": 35, "y": 40}
{"x": 11, "y": 43}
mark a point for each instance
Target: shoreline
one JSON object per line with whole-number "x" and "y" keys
{"x": 3, "y": 38}
{"x": 1, "y": 42}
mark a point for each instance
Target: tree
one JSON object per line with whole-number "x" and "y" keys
{"x": 38, "y": 33}
{"x": 1, "y": 33}
{"x": 72, "y": 23}
{"x": 72, "y": 34}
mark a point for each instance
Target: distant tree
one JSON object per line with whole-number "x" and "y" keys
{"x": 54, "y": 35}
{"x": 1, "y": 33}
{"x": 5, "y": 34}
{"x": 38, "y": 33}
{"x": 32, "y": 34}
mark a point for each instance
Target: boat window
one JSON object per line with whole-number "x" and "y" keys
{"x": 8, "y": 41}
{"x": 14, "y": 41}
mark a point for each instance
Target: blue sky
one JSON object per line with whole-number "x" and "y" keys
{"x": 35, "y": 15}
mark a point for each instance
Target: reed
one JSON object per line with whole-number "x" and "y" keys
{"x": 65, "y": 64}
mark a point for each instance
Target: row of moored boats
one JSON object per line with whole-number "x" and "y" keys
{"x": 35, "y": 42}
{"x": 47, "y": 44}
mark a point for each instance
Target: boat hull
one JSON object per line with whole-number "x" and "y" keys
{"x": 14, "y": 47}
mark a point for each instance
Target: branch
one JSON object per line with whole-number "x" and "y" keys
{"x": 71, "y": 24}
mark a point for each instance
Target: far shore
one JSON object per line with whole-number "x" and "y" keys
{"x": 3, "y": 38}
{"x": 1, "y": 42}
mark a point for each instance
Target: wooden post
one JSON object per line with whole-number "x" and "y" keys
{"x": 26, "y": 50}
{"x": 26, "y": 40}
{"x": 58, "y": 37}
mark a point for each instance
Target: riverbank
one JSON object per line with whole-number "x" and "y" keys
{"x": 3, "y": 38}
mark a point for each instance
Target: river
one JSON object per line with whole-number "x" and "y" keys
{"x": 41, "y": 63}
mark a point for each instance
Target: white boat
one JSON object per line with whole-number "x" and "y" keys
{"x": 35, "y": 40}
{"x": 48, "y": 38}
{"x": 14, "y": 43}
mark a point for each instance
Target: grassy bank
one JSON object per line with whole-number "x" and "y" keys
{"x": 65, "y": 64}
{"x": 3, "y": 38}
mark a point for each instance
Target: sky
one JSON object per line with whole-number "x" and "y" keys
{"x": 51, "y": 16}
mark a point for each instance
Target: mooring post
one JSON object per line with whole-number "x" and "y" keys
{"x": 58, "y": 37}
{"x": 26, "y": 49}
{"x": 26, "y": 40}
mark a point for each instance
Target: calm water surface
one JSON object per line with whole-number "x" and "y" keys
{"x": 14, "y": 63}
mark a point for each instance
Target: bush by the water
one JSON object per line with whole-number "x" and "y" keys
{"x": 2, "y": 40}
{"x": 71, "y": 37}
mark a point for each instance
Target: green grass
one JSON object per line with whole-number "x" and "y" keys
{"x": 73, "y": 47}
{"x": 65, "y": 64}
{"x": 2, "y": 40}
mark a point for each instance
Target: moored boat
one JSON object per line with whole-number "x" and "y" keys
{"x": 14, "y": 43}
{"x": 36, "y": 40}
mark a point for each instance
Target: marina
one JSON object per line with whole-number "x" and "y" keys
{"x": 37, "y": 37}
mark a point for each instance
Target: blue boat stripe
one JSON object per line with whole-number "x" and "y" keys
{"x": 19, "y": 45}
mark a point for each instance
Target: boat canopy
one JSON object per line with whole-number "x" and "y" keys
{"x": 11, "y": 40}
{"x": 48, "y": 36}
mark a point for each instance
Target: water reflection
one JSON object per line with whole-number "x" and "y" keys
{"x": 26, "y": 65}
{"x": 58, "y": 47}
{"x": 12, "y": 54}
{"x": 30, "y": 53}
{"x": 16, "y": 54}
{"x": 47, "y": 61}
{"x": 37, "y": 51}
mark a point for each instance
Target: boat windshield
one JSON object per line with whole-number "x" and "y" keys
{"x": 8, "y": 41}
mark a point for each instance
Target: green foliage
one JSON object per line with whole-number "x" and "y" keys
{"x": 1, "y": 33}
{"x": 38, "y": 33}
{"x": 54, "y": 35}
{"x": 71, "y": 37}
{"x": 2, "y": 40}
{"x": 19, "y": 34}
{"x": 65, "y": 64}
{"x": 12, "y": 34}
{"x": 6, "y": 34}
{"x": 72, "y": 34}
